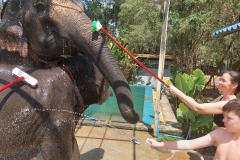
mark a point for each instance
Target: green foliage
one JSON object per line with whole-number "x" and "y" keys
{"x": 167, "y": 81}
{"x": 189, "y": 37}
{"x": 192, "y": 85}
{"x": 140, "y": 23}
{"x": 103, "y": 11}
{"x": 189, "y": 29}
{"x": 127, "y": 65}
{"x": 118, "y": 53}
{"x": 168, "y": 139}
{"x": 175, "y": 69}
{"x": 98, "y": 10}
{"x": 198, "y": 82}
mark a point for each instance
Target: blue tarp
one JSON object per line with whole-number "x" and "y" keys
{"x": 228, "y": 30}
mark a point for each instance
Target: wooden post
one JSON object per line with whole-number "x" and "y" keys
{"x": 161, "y": 63}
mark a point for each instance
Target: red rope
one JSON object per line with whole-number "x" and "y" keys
{"x": 69, "y": 72}
{"x": 136, "y": 60}
{"x": 11, "y": 83}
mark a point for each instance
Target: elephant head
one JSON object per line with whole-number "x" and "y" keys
{"x": 48, "y": 29}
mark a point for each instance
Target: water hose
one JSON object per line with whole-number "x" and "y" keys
{"x": 96, "y": 26}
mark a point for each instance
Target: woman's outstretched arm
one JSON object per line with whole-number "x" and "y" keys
{"x": 203, "y": 108}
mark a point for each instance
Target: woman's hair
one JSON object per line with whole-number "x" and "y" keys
{"x": 232, "y": 106}
{"x": 235, "y": 78}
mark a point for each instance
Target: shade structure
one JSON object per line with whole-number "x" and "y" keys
{"x": 227, "y": 30}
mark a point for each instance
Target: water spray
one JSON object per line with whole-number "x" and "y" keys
{"x": 21, "y": 77}
{"x": 173, "y": 151}
{"x": 134, "y": 140}
{"x": 96, "y": 26}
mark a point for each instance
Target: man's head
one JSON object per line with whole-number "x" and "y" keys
{"x": 231, "y": 112}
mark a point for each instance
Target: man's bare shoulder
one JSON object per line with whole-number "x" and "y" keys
{"x": 219, "y": 130}
{"x": 220, "y": 135}
{"x": 227, "y": 145}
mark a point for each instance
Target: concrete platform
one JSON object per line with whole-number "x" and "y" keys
{"x": 104, "y": 143}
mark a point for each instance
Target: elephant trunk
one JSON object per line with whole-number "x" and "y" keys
{"x": 77, "y": 27}
{"x": 104, "y": 60}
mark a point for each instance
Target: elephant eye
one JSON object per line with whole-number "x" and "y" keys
{"x": 40, "y": 7}
{"x": 14, "y": 7}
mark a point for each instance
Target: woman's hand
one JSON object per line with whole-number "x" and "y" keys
{"x": 173, "y": 90}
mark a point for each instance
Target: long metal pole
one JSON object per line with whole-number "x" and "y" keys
{"x": 161, "y": 63}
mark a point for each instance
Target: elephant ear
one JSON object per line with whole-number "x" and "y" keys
{"x": 12, "y": 36}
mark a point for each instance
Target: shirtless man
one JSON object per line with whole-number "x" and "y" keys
{"x": 227, "y": 140}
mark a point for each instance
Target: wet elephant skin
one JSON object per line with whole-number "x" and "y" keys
{"x": 40, "y": 122}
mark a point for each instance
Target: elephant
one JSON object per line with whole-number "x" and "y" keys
{"x": 52, "y": 41}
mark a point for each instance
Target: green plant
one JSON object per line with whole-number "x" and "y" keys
{"x": 127, "y": 65}
{"x": 175, "y": 69}
{"x": 168, "y": 138}
{"x": 192, "y": 85}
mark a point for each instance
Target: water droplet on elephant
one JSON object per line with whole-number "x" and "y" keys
{"x": 57, "y": 122}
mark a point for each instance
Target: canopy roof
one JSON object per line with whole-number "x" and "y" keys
{"x": 228, "y": 30}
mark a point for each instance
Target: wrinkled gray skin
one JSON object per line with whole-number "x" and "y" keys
{"x": 35, "y": 34}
